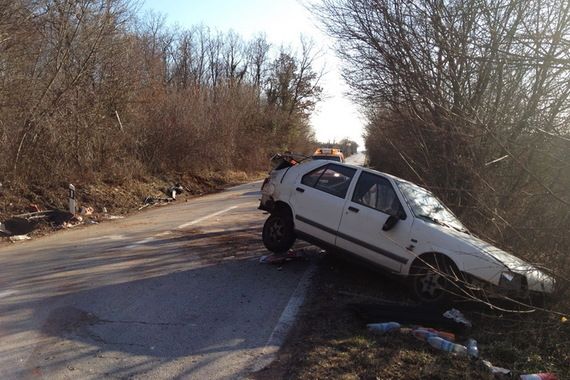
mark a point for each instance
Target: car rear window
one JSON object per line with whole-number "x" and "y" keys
{"x": 332, "y": 179}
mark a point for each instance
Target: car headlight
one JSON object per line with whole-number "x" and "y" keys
{"x": 512, "y": 281}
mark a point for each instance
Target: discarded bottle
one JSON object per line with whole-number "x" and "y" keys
{"x": 472, "y": 349}
{"x": 423, "y": 333}
{"x": 447, "y": 346}
{"x": 381, "y": 328}
{"x": 539, "y": 376}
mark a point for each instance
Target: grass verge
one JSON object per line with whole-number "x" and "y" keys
{"x": 330, "y": 342}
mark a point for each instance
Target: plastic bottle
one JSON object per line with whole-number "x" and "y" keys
{"x": 422, "y": 333}
{"x": 381, "y": 328}
{"x": 539, "y": 376}
{"x": 472, "y": 349}
{"x": 447, "y": 346}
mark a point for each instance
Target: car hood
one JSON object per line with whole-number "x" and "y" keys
{"x": 537, "y": 280}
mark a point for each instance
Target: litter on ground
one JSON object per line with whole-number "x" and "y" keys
{"x": 280, "y": 259}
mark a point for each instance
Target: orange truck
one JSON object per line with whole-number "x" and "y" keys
{"x": 332, "y": 154}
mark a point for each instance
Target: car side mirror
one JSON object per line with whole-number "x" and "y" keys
{"x": 390, "y": 223}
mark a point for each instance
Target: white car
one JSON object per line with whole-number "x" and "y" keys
{"x": 393, "y": 224}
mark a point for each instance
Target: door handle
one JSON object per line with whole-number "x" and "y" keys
{"x": 300, "y": 190}
{"x": 353, "y": 209}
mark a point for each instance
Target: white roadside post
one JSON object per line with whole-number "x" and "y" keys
{"x": 72, "y": 205}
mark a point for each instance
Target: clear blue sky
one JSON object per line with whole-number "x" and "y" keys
{"x": 282, "y": 21}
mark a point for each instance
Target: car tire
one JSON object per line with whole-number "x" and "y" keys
{"x": 278, "y": 233}
{"x": 434, "y": 279}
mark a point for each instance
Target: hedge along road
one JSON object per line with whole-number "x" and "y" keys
{"x": 173, "y": 292}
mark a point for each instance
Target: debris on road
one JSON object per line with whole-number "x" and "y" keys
{"x": 497, "y": 372}
{"x": 280, "y": 259}
{"x": 86, "y": 211}
{"x": 173, "y": 191}
{"x": 422, "y": 315}
{"x": 15, "y": 238}
{"x": 151, "y": 201}
{"x": 457, "y": 316}
{"x": 113, "y": 217}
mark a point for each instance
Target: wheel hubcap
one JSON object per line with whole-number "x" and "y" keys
{"x": 431, "y": 285}
{"x": 276, "y": 231}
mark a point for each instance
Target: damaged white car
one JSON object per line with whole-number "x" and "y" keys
{"x": 393, "y": 224}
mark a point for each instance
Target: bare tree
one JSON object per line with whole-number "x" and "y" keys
{"x": 469, "y": 98}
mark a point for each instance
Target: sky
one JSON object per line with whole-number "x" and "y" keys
{"x": 283, "y": 22}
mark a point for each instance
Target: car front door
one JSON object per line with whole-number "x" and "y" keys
{"x": 318, "y": 201}
{"x": 372, "y": 202}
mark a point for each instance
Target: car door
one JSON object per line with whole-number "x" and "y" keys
{"x": 371, "y": 203}
{"x": 318, "y": 200}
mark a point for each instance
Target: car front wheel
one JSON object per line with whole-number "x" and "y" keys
{"x": 434, "y": 280}
{"x": 278, "y": 233}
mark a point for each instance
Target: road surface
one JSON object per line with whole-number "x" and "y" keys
{"x": 356, "y": 159}
{"x": 173, "y": 292}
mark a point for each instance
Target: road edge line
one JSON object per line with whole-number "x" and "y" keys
{"x": 285, "y": 323}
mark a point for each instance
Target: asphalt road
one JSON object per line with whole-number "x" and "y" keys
{"x": 172, "y": 292}
{"x": 356, "y": 159}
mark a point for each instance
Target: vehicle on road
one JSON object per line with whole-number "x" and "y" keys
{"x": 331, "y": 154}
{"x": 394, "y": 224}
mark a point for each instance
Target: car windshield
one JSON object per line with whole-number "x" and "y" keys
{"x": 426, "y": 206}
{"x": 332, "y": 158}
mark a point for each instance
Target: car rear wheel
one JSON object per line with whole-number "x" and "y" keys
{"x": 434, "y": 279}
{"x": 278, "y": 233}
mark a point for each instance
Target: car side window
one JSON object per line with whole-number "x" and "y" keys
{"x": 376, "y": 192}
{"x": 332, "y": 179}
{"x": 310, "y": 179}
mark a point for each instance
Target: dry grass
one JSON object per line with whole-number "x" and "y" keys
{"x": 331, "y": 342}
{"x": 118, "y": 197}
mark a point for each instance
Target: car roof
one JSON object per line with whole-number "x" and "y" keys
{"x": 393, "y": 177}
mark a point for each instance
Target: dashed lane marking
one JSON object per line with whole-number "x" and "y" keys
{"x": 182, "y": 226}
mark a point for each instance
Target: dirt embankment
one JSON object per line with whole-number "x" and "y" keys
{"x": 112, "y": 198}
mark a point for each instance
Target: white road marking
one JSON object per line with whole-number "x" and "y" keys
{"x": 143, "y": 241}
{"x": 182, "y": 226}
{"x": 108, "y": 237}
{"x": 286, "y": 321}
{"x": 7, "y": 293}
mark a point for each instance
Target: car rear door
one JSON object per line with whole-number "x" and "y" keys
{"x": 371, "y": 203}
{"x": 318, "y": 200}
